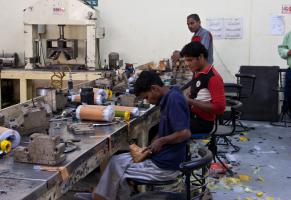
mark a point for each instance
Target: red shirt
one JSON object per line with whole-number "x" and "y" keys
{"x": 215, "y": 87}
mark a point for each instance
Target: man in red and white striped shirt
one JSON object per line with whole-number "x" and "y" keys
{"x": 207, "y": 97}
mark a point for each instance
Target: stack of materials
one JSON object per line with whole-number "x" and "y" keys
{"x": 95, "y": 113}
{"x": 134, "y": 111}
{"x": 105, "y": 113}
{"x": 100, "y": 96}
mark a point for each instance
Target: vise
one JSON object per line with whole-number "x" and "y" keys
{"x": 42, "y": 149}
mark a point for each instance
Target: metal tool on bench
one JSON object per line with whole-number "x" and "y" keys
{"x": 33, "y": 118}
{"x": 42, "y": 149}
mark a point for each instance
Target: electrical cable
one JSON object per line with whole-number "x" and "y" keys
{"x": 223, "y": 64}
{"x": 57, "y": 79}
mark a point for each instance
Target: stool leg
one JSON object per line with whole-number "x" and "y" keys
{"x": 188, "y": 187}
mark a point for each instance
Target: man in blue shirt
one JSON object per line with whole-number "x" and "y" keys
{"x": 168, "y": 149}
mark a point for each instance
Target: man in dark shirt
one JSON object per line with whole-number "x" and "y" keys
{"x": 207, "y": 97}
{"x": 200, "y": 35}
{"x": 168, "y": 149}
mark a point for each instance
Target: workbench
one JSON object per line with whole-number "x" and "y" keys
{"x": 22, "y": 181}
{"x": 26, "y": 181}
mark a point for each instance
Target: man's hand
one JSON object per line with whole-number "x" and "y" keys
{"x": 175, "y": 56}
{"x": 157, "y": 145}
{"x": 289, "y": 52}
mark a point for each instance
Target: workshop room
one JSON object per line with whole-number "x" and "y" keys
{"x": 145, "y": 100}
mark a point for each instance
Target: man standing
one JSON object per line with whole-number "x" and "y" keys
{"x": 168, "y": 149}
{"x": 207, "y": 97}
{"x": 200, "y": 35}
{"x": 285, "y": 53}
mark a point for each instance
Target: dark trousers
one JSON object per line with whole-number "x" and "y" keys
{"x": 287, "y": 93}
{"x": 199, "y": 126}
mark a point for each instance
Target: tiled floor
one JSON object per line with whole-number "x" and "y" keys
{"x": 266, "y": 157}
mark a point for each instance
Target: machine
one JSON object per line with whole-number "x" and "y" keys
{"x": 62, "y": 32}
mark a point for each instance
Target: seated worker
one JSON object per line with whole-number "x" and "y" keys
{"x": 168, "y": 149}
{"x": 207, "y": 97}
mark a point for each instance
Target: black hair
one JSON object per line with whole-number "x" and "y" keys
{"x": 145, "y": 80}
{"x": 195, "y": 17}
{"x": 194, "y": 49}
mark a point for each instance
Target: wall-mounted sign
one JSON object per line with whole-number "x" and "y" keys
{"x": 276, "y": 25}
{"x": 286, "y": 9}
{"x": 225, "y": 28}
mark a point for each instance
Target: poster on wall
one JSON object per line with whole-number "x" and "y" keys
{"x": 286, "y": 9}
{"x": 216, "y": 27}
{"x": 225, "y": 28}
{"x": 276, "y": 25}
{"x": 233, "y": 28}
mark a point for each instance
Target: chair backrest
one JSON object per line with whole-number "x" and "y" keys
{"x": 247, "y": 81}
{"x": 229, "y": 118}
{"x": 204, "y": 159}
{"x": 232, "y": 90}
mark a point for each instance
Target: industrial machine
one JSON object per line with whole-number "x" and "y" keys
{"x": 62, "y": 32}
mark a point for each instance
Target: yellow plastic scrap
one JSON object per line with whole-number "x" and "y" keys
{"x": 245, "y": 178}
{"x": 243, "y": 139}
{"x": 249, "y": 198}
{"x": 259, "y": 194}
{"x": 270, "y": 198}
{"x": 231, "y": 181}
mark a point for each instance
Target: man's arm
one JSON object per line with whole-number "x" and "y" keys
{"x": 174, "y": 138}
{"x": 283, "y": 50}
{"x": 206, "y": 39}
{"x": 178, "y": 118}
{"x": 202, "y": 105}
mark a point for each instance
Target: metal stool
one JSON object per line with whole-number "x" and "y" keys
{"x": 188, "y": 169}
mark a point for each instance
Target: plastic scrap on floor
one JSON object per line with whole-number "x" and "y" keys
{"x": 260, "y": 194}
{"x": 271, "y": 166}
{"x": 244, "y": 178}
{"x": 270, "y": 198}
{"x": 260, "y": 179}
{"x": 218, "y": 168}
{"x": 244, "y": 139}
{"x": 258, "y": 148}
{"x": 267, "y": 152}
{"x": 231, "y": 157}
{"x": 256, "y": 170}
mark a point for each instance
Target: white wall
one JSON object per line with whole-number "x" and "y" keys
{"x": 142, "y": 31}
